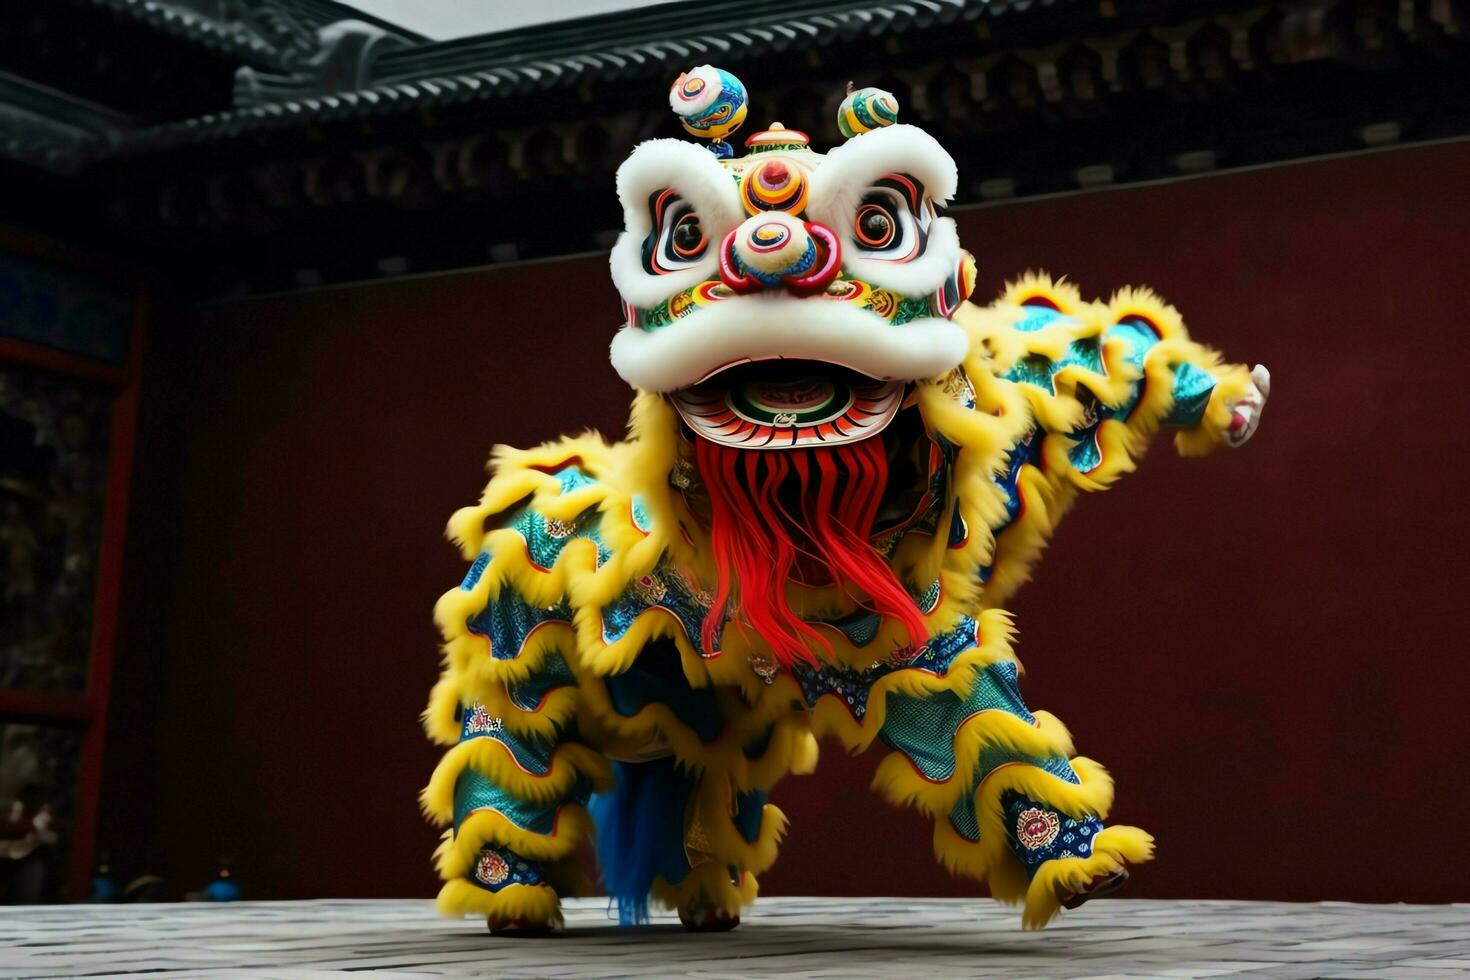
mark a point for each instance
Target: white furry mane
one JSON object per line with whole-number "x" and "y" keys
{"x": 698, "y": 177}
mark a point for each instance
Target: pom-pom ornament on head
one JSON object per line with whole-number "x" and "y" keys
{"x": 711, "y": 103}
{"x": 865, "y": 110}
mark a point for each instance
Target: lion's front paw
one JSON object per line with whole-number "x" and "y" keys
{"x": 1245, "y": 412}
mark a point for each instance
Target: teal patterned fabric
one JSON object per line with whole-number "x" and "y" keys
{"x": 1036, "y": 316}
{"x": 923, "y": 728}
{"x": 554, "y": 673}
{"x": 1191, "y": 385}
{"x": 963, "y": 819}
{"x": 546, "y": 538}
{"x": 531, "y": 753}
{"x": 1034, "y": 370}
{"x": 1192, "y": 390}
{"x": 992, "y": 757}
{"x": 474, "y": 791}
{"x": 508, "y": 620}
{"x": 476, "y": 570}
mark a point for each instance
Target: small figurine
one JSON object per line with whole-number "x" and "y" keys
{"x": 105, "y": 888}
{"x": 224, "y": 887}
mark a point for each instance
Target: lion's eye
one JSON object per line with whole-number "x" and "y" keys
{"x": 892, "y": 222}
{"x": 875, "y": 227}
{"x": 688, "y": 238}
{"x": 677, "y": 239}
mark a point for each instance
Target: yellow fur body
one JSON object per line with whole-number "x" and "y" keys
{"x": 671, "y": 541}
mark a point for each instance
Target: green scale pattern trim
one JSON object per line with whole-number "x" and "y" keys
{"x": 923, "y": 728}
{"x": 473, "y": 791}
{"x": 545, "y": 539}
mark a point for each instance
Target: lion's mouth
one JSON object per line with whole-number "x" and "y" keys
{"x": 783, "y": 403}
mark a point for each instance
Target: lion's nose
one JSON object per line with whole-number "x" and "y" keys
{"x": 774, "y": 250}
{"x": 774, "y": 244}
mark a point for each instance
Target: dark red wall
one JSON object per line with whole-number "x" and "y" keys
{"x": 1264, "y": 646}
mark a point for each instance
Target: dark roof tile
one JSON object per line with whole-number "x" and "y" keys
{"x": 642, "y": 42}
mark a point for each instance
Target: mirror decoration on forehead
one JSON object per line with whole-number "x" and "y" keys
{"x": 839, "y": 472}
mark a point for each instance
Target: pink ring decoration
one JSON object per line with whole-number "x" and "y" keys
{"x": 819, "y": 279}
{"x": 735, "y": 280}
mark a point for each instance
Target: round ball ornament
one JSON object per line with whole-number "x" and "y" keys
{"x": 865, "y": 110}
{"x": 710, "y": 103}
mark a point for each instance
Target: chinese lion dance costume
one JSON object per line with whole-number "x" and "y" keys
{"x": 838, "y": 472}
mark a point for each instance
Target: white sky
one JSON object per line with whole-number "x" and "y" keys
{"x": 444, "y": 19}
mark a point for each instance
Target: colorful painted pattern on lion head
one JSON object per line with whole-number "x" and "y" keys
{"x": 787, "y": 297}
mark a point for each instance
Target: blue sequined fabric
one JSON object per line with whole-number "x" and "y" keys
{"x": 657, "y": 676}
{"x": 665, "y": 588}
{"x": 529, "y": 694}
{"x": 1026, "y": 452}
{"x": 1037, "y": 833}
{"x": 500, "y": 867}
{"x": 508, "y": 620}
{"x": 1086, "y": 454}
{"x": 854, "y": 686}
{"x": 859, "y": 627}
{"x": 1032, "y": 370}
{"x": 531, "y": 753}
{"x": 922, "y": 728}
{"x": 476, "y": 569}
{"x": 1036, "y": 316}
{"x": 642, "y": 520}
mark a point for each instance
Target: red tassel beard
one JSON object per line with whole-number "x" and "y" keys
{"x": 806, "y": 513}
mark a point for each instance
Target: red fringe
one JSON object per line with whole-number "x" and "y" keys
{"x": 759, "y": 543}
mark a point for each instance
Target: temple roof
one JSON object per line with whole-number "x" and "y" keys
{"x": 298, "y": 62}
{"x": 294, "y": 141}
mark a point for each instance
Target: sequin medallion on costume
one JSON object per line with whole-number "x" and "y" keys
{"x": 1036, "y": 828}
{"x": 492, "y": 869}
{"x": 479, "y": 722}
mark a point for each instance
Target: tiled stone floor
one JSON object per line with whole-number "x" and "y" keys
{"x": 804, "y": 937}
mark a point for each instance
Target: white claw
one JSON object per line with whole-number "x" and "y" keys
{"x": 1262, "y": 378}
{"x": 1246, "y": 411}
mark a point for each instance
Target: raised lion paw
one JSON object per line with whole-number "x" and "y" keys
{"x": 1245, "y": 411}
